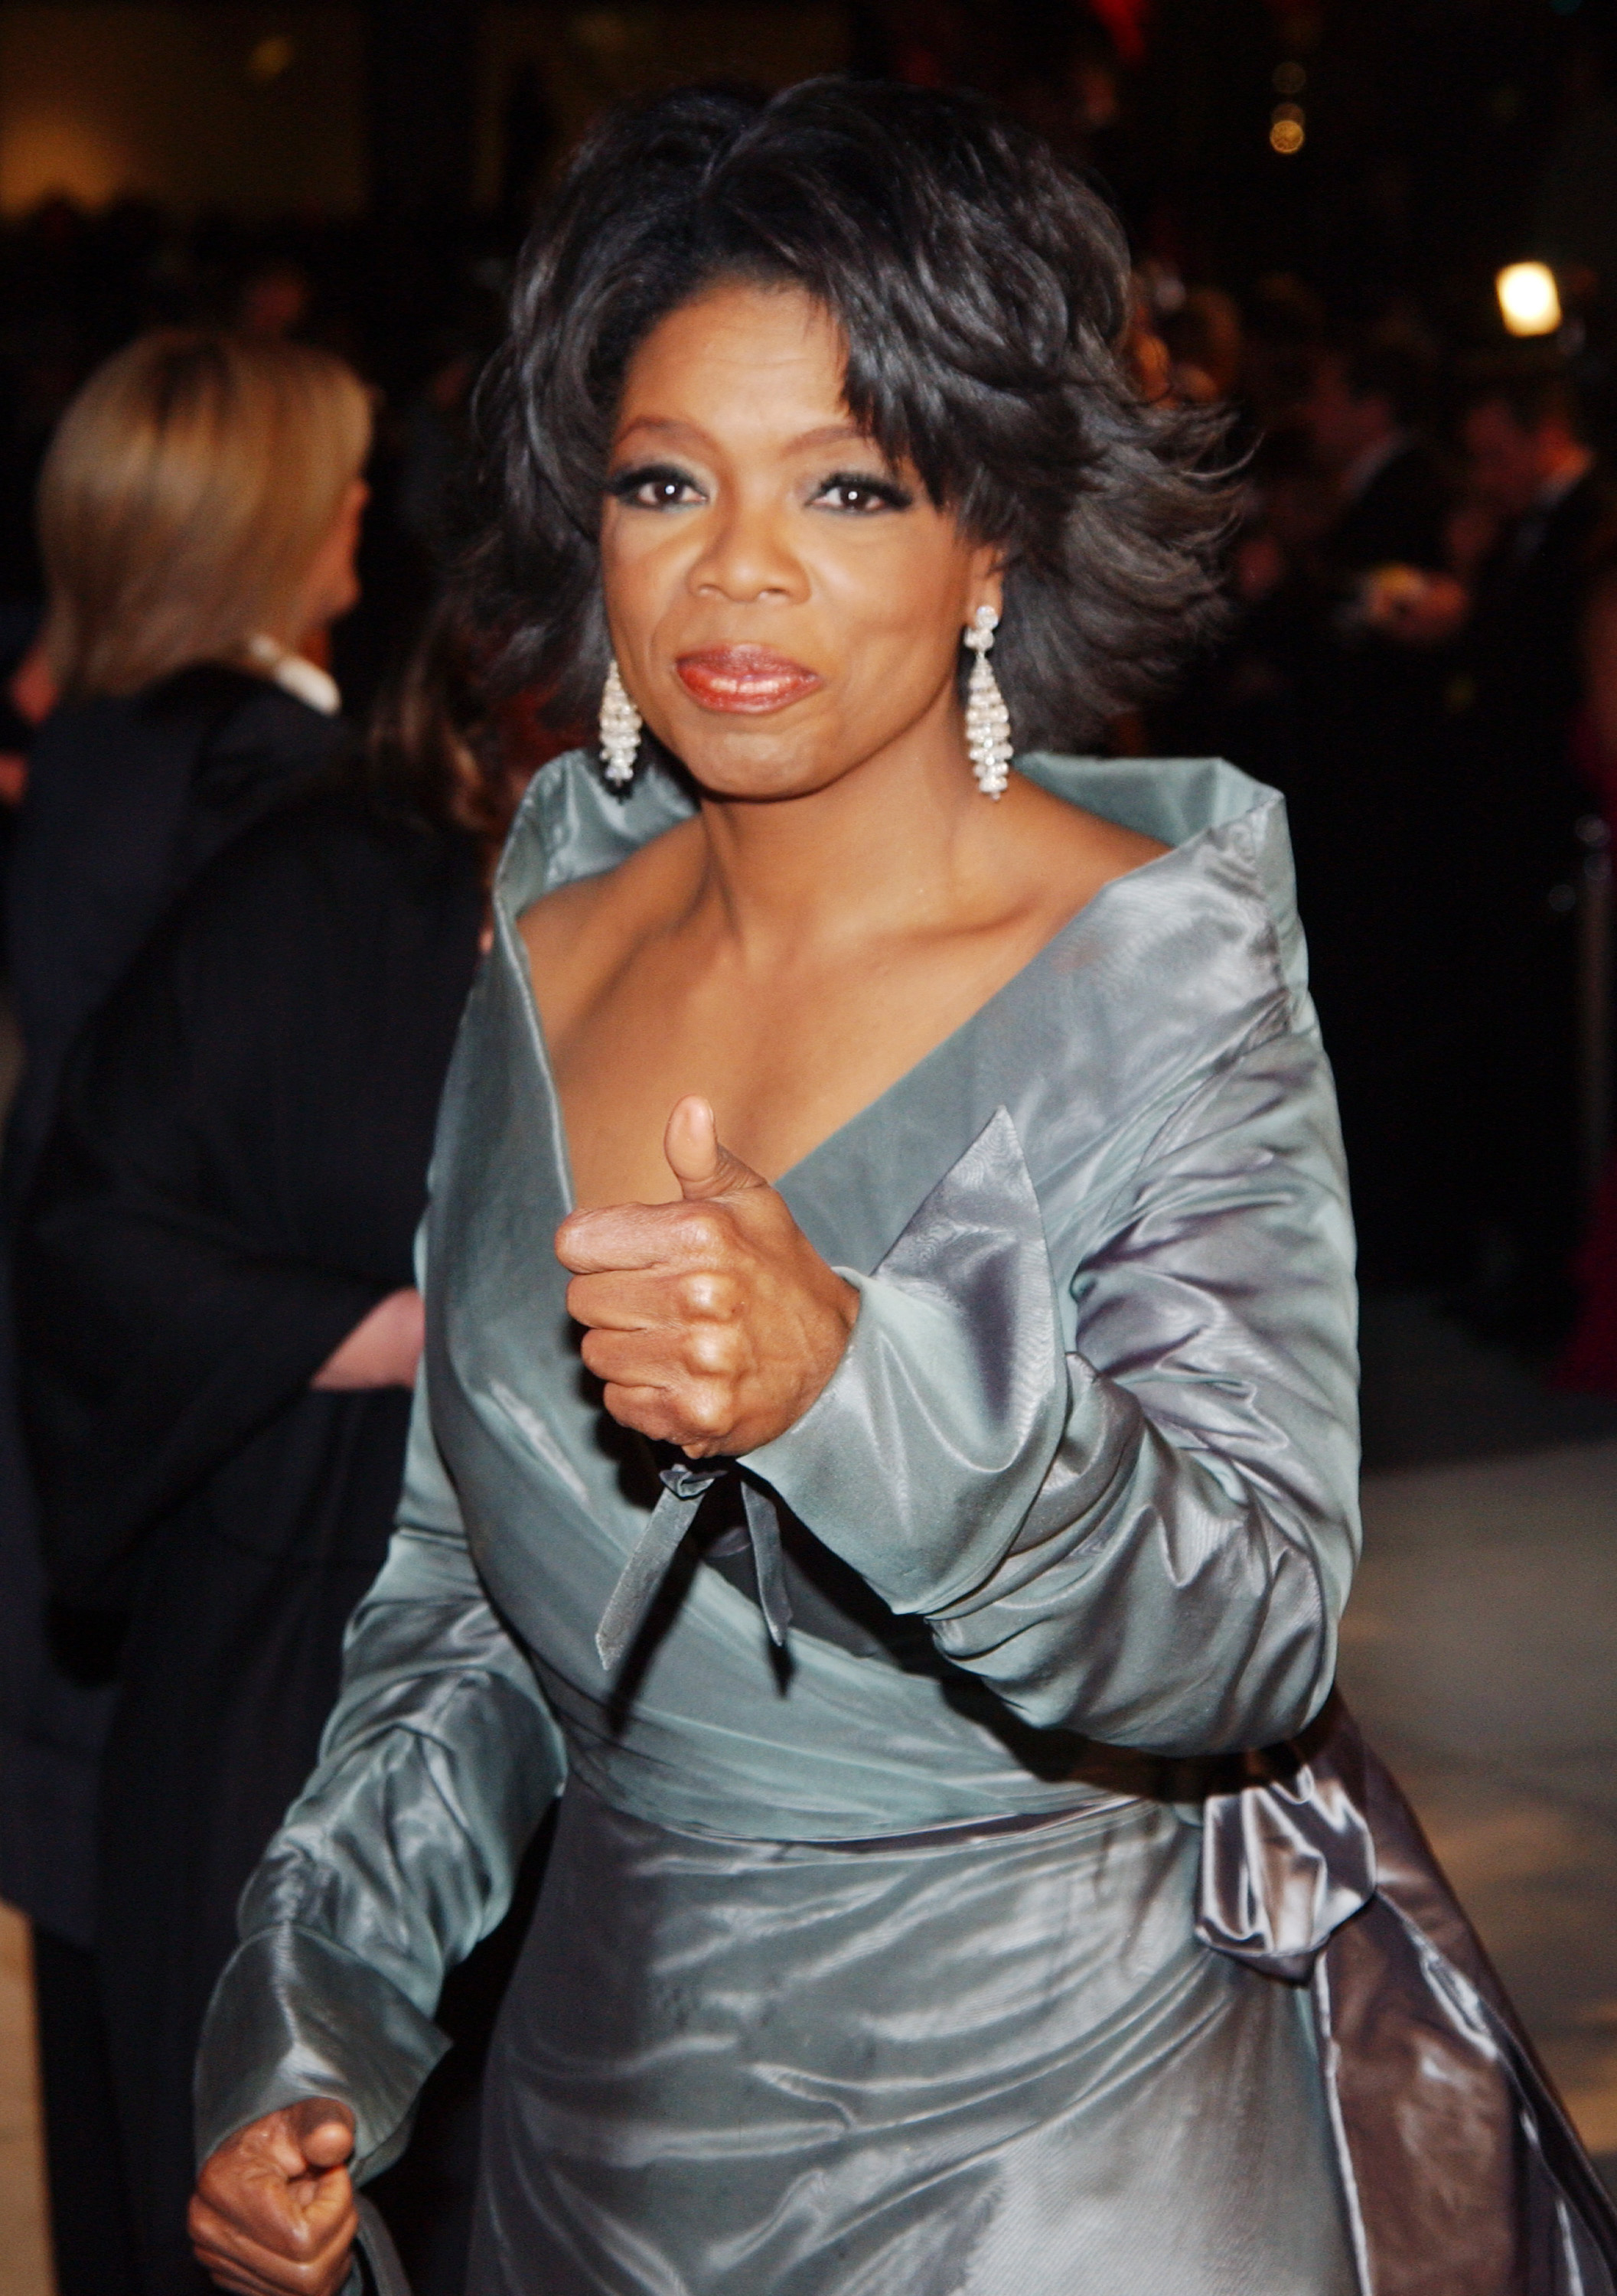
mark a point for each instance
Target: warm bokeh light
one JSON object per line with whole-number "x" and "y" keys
{"x": 1286, "y": 132}
{"x": 48, "y": 153}
{"x": 186, "y": 106}
{"x": 1529, "y": 302}
{"x": 269, "y": 58}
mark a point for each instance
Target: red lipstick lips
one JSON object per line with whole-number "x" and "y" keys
{"x": 751, "y": 679}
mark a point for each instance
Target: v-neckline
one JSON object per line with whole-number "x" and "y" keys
{"x": 951, "y": 1045}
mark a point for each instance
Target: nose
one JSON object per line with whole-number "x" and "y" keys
{"x": 746, "y": 558}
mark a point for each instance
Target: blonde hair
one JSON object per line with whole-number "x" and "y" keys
{"x": 186, "y": 496}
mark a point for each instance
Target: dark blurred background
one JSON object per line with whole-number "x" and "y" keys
{"x": 1321, "y": 197}
{"x": 1381, "y": 234}
{"x": 363, "y": 174}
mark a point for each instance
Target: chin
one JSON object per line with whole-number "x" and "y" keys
{"x": 759, "y": 762}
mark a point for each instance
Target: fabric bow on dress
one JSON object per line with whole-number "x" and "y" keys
{"x": 684, "y": 1485}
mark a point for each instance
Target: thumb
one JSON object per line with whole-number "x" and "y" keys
{"x": 700, "y": 1164}
{"x": 323, "y": 2131}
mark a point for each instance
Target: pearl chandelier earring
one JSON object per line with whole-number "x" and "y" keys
{"x": 987, "y": 721}
{"x": 620, "y": 729}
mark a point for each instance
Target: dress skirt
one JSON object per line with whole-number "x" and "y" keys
{"x": 989, "y": 2061}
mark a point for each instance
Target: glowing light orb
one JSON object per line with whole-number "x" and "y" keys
{"x": 1529, "y": 302}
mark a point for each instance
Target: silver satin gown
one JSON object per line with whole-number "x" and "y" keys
{"x": 917, "y": 1924}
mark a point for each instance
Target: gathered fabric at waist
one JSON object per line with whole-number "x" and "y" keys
{"x": 983, "y": 2057}
{"x": 716, "y": 1735}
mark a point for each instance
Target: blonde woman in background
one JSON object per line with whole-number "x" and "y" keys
{"x": 199, "y": 513}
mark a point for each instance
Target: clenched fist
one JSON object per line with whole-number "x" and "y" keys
{"x": 713, "y": 1322}
{"x": 273, "y": 2213}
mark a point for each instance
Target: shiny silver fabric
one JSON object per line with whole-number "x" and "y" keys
{"x": 1460, "y": 2169}
{"x": 1088, "y": 1474}
{"x": 955, "y": 2068}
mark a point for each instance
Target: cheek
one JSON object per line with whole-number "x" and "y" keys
{"x": 898, "y": 612}
{"x": 637, "y": 578}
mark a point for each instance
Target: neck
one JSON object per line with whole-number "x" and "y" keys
{"x": 884, "y": 847}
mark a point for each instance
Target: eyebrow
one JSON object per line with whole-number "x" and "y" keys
{"x": 830, "y": 434}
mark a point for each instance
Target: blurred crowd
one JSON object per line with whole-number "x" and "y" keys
{"x": 415, "y": 312}
{"x": 254, "y": 790}
{"x": 1418, "y": 655}
{"x": 1415, "y": 657}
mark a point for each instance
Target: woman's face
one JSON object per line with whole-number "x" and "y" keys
{"x": 784, "y": 604}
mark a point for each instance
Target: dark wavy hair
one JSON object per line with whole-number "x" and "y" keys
{"x": 982, "y": 290}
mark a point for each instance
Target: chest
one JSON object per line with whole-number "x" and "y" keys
{"x": 787, "y": 1056}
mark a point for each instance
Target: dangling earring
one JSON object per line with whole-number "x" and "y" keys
{"x": 619, "y": 730}
{"x": 987, "y": 721}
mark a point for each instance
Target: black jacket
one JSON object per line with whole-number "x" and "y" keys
{"x": 128, "y": 800}
{"x": 234, "y": 1180}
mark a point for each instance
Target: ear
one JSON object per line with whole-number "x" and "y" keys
{"x": 985, "y": 585}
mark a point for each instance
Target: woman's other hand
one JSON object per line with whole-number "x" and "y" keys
{"x": 382, "y": 1352}
{"x": 713, "y": 1321}
{"x": 273, "y": 2213}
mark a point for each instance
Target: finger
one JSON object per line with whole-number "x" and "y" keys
{"x": 289, "y": 2280}
{"x": 653, "y": 1299}
{"x": 284, "y": 2264}
{"x": 226, "y": 2272}
{"x": 619, "y": 1302}
{"x": 698, "y": 1161}
{"x": 292, "y": 2216}
{"x": 630, "y": 1239}
{"x": 268, "y": 2186}
{"x": 225, "y": 2249}
{"x": 631, "y": 1359}
{"x": 626, "y": 1237}
{"x": 229, "y": 2272}
{"x": 666, "y": 1355}
{"x": 225, "y": 2275}
{"x": 696, "y": 1417}
{"x": 324, "y": 2130}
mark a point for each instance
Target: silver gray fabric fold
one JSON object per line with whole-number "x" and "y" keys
{"x": 1287, "y": 1857}
{"x": 1460, "y": 2172}
{"x": 685, "y": 1485}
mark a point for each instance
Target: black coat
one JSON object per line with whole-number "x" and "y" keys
{"x": 128, "y": 800}
{"x": 235, "y": 1181}
{"x": 1519, "y": 686}
{"x": 1367, "y": 801}
{"x": 1518, "y": 798}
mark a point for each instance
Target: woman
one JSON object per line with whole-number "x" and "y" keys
{"x": 996, "y": 1370}
{"x": 221, "y": 1329}
{"x": 199, "y": 510}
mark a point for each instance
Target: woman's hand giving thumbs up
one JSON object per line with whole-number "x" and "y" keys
{"x": 712, "y": 1321}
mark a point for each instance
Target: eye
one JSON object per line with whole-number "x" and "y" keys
{"x": 655, "y": 485}
{"x": 861, "y": 493}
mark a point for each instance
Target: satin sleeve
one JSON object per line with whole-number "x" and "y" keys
{"x": 441, "y": 1758}
{"x": 1147, "y": 1537}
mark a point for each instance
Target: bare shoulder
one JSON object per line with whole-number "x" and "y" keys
{"x": 578, "y": 935}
